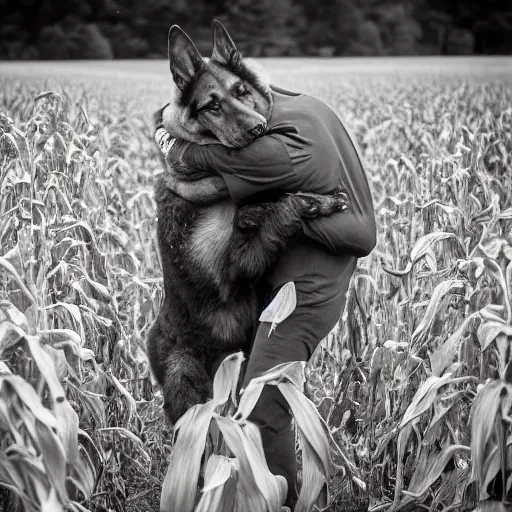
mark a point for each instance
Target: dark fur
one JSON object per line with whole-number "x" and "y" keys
{"x": 214, "y": 257}
{"x": 207, "y": 313}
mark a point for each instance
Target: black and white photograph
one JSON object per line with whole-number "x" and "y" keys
{"x": 256, "y": 256}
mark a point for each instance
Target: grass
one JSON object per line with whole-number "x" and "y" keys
{"x": 415, "y": 386}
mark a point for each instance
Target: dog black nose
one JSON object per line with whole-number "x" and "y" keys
{"x": 258, "y": 130}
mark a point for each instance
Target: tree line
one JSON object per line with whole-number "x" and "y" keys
{"x": 105, "y": 29}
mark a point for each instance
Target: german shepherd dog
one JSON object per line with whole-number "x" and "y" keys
{"x": 214, "y": 256}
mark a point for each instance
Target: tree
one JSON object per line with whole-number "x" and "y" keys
{"x": 368, "y": 40}
{"x": 460, "y": 42}
{"x": 494, "y": 34}
{"x": 124, "y": 41}
{"x": 266, "y": 27}
{"x": 400, "y": 32}
{"x": 71, "y": 39}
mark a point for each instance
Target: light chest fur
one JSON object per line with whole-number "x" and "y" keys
{"x": 211, "y": 236}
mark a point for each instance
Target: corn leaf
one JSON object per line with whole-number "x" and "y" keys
{"x": 10, "y": 335}
{"x": 489, "y": 331}
{"x": 443, "y": 356}
{"x": 433, "y": 310}
{"x": 425, "y": 475}
{"x": 54, "y": 459}
{"x": 292, "y": 372}
{"x": 180, "y": 483}
{"x": 219, "y": 491}
{"x": 483, "y": 417}
{"x": 424, "y": 397}
{"x": 226, "y": 378}
{"x": 67, "y": 426}
{"x": 14, "y": 384}
{"x": 47, "y": 368}
{"x": 253, "y": 493}
{"x": 314, "y": 486}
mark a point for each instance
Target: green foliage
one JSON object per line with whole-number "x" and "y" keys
{"x": 135, "y": 29}
{"x": 264, "y": 28}
{"x": 73, "y": 40}
{"x": 460, "y": 42}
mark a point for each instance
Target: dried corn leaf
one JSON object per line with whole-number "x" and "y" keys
{"x": 226, "y": 378}
{"x": 10, "y": 335}
{"x": 425, "y": 475}
{"x": 8, "y": 267}
{"x": 219, "y": 491}
{"x": 424, "y": 397}
{"x": 180, "y": 483}
{"x": 489, "y": 331}
{"x": 47, "y": 368}
{"x": 255, "y": 488}
{"x": 433, "y": 310}
{"x": 130, "y": 401}
{"x": 11, "y": 313}
{"x": 483, "y": 419}
{"x": 54, "y": 459}
{"x": 281, "y": 307}
{"x": 75, "y": 313}
{"x": 443, "y": 356}
{"x": 10, "y": 384}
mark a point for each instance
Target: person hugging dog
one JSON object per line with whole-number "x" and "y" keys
{"x": 295, "y": 143}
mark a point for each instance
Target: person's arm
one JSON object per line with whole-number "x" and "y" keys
{"x": 192, "y": 170}
{"x": 195, "y": 185}
{"x": 204, "y": 191}
{"x": 264, "y": 166}
{"x": 355, "y": 230}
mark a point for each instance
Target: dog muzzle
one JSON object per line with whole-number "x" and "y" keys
{"x": 259, "y": 130}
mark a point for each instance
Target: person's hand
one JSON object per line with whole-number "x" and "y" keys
{"x": 195, "y": 185}
{"x": 162, "y": 137}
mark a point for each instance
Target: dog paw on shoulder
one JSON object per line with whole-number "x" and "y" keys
{"x": 317, "y": 205}
{"x": 341, "y": 201}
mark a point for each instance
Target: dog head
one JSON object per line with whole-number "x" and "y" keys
{"x": 218, "y": 100}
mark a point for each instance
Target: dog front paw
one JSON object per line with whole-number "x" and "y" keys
{"x": 317, "y": 205}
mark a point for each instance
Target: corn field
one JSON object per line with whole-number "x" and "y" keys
{"x": 415, "y": 385}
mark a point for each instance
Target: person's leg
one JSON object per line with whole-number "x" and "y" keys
{"x": 271, "y": 413}
{"x": 294, "y": 339}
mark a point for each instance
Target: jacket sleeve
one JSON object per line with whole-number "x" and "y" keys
{"x": 353, "y": 230}
{"x": 261, "y": 166}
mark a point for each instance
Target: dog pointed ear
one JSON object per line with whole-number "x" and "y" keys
{"x": 224, "y": 50}
{"x": 185, "y": 60}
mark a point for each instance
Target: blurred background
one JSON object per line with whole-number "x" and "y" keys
{"x": 126, "y": 29}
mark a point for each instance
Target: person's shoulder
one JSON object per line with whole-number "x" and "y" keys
{"x": 304, "y": 106}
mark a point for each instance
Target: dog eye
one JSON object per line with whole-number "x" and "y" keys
{"x": 214, "y": 106}
{"x": 241, "y": 90}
